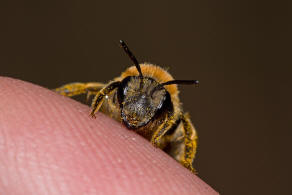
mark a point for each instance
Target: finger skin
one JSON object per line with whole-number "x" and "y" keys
{"x": 50, "y": 145}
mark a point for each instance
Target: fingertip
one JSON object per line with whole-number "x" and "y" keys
{"x": 54, "y": 147}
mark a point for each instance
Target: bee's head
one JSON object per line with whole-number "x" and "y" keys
{"x": 142, "y": 98}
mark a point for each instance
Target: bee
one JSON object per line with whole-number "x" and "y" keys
{"x": 145, "y": 99}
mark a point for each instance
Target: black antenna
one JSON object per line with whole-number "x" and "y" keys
{"x": 132, "y": 57}
{"x": 179, "y": 82}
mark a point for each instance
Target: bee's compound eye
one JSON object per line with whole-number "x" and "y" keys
{"x": 123, "y": 89}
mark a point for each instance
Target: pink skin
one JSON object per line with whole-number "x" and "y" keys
{"x": 50, "y": 145}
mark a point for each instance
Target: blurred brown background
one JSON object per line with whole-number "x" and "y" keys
{"x": 239, "y": 50}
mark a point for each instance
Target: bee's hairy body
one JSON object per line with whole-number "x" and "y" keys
{"x": 111, "y": 106}
{"x": 144, "y": 106}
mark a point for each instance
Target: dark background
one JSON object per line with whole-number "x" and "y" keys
{"x": 239, "y": 50}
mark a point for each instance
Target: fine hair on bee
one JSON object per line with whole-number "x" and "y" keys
{"x": 145, "y": 99}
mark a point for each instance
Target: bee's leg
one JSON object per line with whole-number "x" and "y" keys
{"x": 190, "y": 141}
{"x": 73, "y": 89}
{"x": 163, "y": 128}
{"x": 99, "y": 98}
{"x": 183, "y": 143}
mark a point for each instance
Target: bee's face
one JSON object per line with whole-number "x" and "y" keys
{"x": 140, "y": 101}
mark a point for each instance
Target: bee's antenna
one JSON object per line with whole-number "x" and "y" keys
{"x": 132, "y": 57}
{"x": 179, "y": 82}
